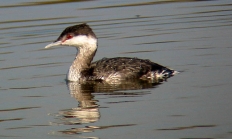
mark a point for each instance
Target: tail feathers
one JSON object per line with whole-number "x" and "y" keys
{"x": 165, "y": 73}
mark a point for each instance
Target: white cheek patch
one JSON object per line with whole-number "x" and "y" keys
{"x": 80, "y": 40}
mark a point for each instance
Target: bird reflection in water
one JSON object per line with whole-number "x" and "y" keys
{"x": 88, "y": 109}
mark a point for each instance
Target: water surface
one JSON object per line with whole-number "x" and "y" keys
{"x": 193, "y": 37}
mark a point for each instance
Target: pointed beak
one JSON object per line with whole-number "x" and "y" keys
{"x": 53, "y": 44}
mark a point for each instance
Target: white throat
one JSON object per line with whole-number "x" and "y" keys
{"x": 82, "y": 41}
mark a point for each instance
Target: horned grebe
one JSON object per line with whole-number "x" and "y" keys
{"x": 107, "y": 69}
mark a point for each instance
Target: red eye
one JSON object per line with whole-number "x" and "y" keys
{"x": 69, "y": 36}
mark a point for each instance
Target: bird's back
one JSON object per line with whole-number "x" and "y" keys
{"x": 123, "y": 68}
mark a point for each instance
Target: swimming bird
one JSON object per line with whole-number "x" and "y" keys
{"x": 107, "y": 69}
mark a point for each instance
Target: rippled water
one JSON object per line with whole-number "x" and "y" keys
{"x": 193, "y": 37}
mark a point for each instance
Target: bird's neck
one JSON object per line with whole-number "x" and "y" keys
{"x": 81, "y": 63}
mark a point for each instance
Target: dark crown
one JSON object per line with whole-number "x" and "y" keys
{"x": 81, "y": 29}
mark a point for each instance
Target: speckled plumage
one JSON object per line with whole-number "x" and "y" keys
{"x": 127, "y": 68}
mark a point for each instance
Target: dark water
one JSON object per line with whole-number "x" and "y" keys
{"x": 190, "y": 36}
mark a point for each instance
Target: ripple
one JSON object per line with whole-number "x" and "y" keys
{"x": 14, "y": 119}
{"x": 142, "y": 4}
{"x": 33, "y": 65}
{"x": 25, "y": 4}
{"x": 188, "y": 127}
{"x": 16, "y": 109}
{"x": 17, "y": 128}
{"x": 91, "y": 129}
